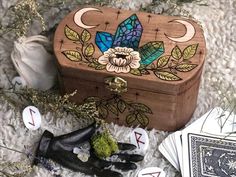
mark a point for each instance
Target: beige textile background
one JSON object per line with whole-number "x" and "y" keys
{"x": 219, "y": 23}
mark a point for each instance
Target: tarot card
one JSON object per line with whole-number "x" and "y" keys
{"x": 171, "y": 146}
{"x": 179, "y": 148}
{"x": 200, "y": 125}
{"x": 210, "y": 156}
{"x": 215, "y": 122}
{"x": 168, "y": 155}
{"x": 168, "y": 150}
{"x": 219, "y": 122}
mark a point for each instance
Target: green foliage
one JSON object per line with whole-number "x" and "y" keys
{"x": 167, "y": 76}
{"x": 172, "y": 7}
{"x": 167, "y": 66}
{"x": 85, "y": 53}
{"x": 85, "y": 35}
{"x": 49, "y": 101}
{"x": 190, "y": 51}
{"x": 22, "y": 15}
{"x": 104, "y": 145}
{"x": 72, "y": 55}
{"x": 116, "y": 106}
{"x": 136, "y": 72}
{"x": 71, "y": 34}
{"x": 176, "y": 53}
{"x": 25, "y": 12}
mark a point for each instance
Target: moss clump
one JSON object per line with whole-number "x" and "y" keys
{"x": 104, "y": 145}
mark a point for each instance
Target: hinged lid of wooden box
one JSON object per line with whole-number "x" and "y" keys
{"x": 151, "y": 52}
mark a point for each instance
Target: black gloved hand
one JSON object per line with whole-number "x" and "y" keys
{"x": 60, "y": 149}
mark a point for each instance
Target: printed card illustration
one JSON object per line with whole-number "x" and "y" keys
{"x": 219, "y": 122}
{"x": 151, "y": 172}
{"x": 140, "y": 139}
{"x": 32, "y": 118}
{"x": 124, "y": 42}
{"x": 211, "y": 156}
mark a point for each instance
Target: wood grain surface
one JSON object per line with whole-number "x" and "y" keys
{"x": 170, "y": 52}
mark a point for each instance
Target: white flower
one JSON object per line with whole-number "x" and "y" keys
{"x": 120, "y": 59}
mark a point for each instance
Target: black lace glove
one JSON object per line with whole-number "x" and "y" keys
{"x": 60, "y": 149}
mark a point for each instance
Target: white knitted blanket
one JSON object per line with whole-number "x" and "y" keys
{"x": 219, "y": 23}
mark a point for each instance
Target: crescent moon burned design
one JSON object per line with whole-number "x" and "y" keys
{"x": 79, "y": 14}
{"x": 190, "y": 32}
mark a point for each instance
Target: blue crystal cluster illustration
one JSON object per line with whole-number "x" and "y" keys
{"x": 128, "y": 34}
{"x": 104, "y": 41}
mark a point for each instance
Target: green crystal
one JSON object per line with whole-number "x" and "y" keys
{"x": 151, "y": 52}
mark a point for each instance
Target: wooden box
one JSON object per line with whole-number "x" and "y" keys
{"x": 140, "y": 68}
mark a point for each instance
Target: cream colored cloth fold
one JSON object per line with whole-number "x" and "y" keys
{"x": 33, "y": 63}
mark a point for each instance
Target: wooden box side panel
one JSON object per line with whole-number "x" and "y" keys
{"x": 168, "y": 112}
{"x": 163, "y": 107}
{"x": 186, "y": 105}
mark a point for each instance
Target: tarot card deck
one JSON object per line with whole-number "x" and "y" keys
{"x": 206, "y": 148}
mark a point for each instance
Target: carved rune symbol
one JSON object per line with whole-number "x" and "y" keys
{"x": 31, "y": 113}
{"x": 137, "y": 137}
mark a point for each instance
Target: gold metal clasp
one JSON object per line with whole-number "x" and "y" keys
{"x": 116, "y": 84}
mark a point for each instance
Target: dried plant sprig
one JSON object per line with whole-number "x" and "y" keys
{"x": 226, "y": 94}
{"x": 49, "y": 101}
{"x": 23, "y": 168}
{"x": 15, "y": 169}
{"x": 23, "y": 14}
{"x": 175, "y": 7}
{"x": 53, "y": 102}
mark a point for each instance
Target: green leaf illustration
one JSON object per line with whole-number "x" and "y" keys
{"x": 103, "y": 112}
{"x": 145, "y": 72}
{"x": 141, "y": 107}
{"x": 121, "y": 105}
{"x": 92, "y": 99}
{"x": 190, "y": 51}
{"x": 112, "y": 108}
{"x": 71, "y": 34}
{"x": 93, "y": 65}
{"x": 176, "y": 52}
{"x": 163, "y": 61}
{"x": 100, "y": 67}
{"x": 185, "y": 67}
{"x": 152, "y": 66}
{"x": 167, "y": 76}
{"x": 89, "y": 50}
{"x": 85, "y": 36}
{"x": 142, "y": 67}
{"x": 142, "y": 119}
{"x": 135, "y": 72}
{"x": 130, "y": 119}
{"x": 72, "y": 55}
